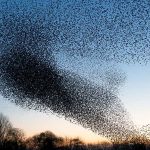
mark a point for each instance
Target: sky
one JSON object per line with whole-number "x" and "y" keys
{"x": 134, "y": 92}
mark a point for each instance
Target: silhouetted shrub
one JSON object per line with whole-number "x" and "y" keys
{"x": 44, "y": 141}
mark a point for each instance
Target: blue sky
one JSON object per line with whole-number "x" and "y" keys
{"x": 128, "y": 33}
{"x": 136, "y": 92}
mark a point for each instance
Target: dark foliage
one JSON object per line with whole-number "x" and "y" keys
{"x": 14, "y": 139}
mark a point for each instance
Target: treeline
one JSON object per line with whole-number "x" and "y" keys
{"x": 14, "y": 139}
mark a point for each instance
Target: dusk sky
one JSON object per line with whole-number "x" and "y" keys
{"x": 96, "y": 41}
{"x": 134, "y": 94}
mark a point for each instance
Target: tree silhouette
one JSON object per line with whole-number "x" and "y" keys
{"x": 5, "y": 127}
{"x": 16, "y": 139}
{"x": 44, "y": 141}
{"x": 16, "y": 134}
{"x": 10, "y": 138}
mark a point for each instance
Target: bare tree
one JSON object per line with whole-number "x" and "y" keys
{"x": 16, "y": 134}
{"x": 5, "y": 126}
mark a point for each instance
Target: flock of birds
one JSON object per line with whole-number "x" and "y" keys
{"x": 33, "y": 32}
